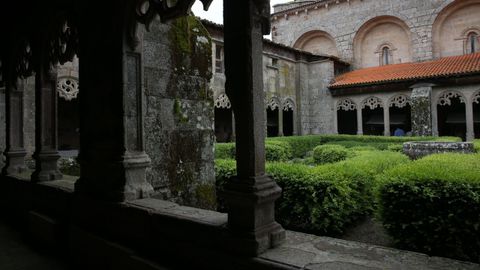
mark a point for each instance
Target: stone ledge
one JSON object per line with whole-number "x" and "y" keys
{"x": 304, "y": 251}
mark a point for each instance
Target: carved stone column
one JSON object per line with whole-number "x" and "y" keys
{"x": 112, "y": 157}
{"x": 14, "y": 152}
{"x": 386, "y": 120}
{"x": 251, "y": 194}
{"x": 421, "y": 110}
{"x": 359, "y": 121}
{"x": 46, "y": 153}
{"x": 234, "y": 136}
{"x": 280, "y": 120}
{"x": 469, "y": 119}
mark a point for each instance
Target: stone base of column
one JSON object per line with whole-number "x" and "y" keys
{"x": 46, "y": 168}
{"x": 251, "y": 216}
{"x": 125, "y": 179}
{"x": 15, "y": 162}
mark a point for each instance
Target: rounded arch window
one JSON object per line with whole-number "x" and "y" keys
{"x": 386, "y": 56}
{"x": 472, "y": 42}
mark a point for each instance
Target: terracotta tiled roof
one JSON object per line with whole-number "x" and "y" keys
{"x": 443, "y": 67}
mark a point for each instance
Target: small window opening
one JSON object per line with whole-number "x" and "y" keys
{"x": 472, "y": 43}
{"x": 386, "y": 56}
{"x": 218, "y": 58}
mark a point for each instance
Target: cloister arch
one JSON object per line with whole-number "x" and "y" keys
{"x": 450, "y": 31}
{"x": 451, "y": 114}
{"x": 372, "y": 115}
{"x": 318, "y": 42}
{"x": 399, "y": 107}
{"x": 273, "y": 108}
{"x": 288, "y": 116}
{"x": 346, "y": 116}
{"x": 68, "y": 113}
{"x": 379, "y": 33}
{"x": 224, "y": 124}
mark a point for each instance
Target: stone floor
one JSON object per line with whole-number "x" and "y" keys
{"x": 17, "y": 254}
{"x": 304, "y": 251}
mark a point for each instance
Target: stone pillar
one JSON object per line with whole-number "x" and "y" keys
{"x": 46, "y": 153}
{"x": 335, "y": 120}
{"x": 14, "y": 141}
{"x": 280, "y": 121}
{"x": 421, "y": 110}
{"x": 469, "y": 119}
{"x": 295, "y": 123}
{"x": 386, "y": 120}
{"x": 112, "y": 157}
{"x": 234, "y": 136}
{"x": 359, "y": 121}
{"x": 251, "y": 194}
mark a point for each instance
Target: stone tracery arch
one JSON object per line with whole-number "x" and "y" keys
{"x": 318, "y": 42}
{"x": 68, "y": 87}
{"x": 399, "y": 101}
{"x": 372, "y": 103}
{"x": 273, "y": 103}
{"x": 375, "y": 34}
{"x": 346, "y": 104}
{"x": 476, "y": 97}
{"x": 445, "y": 99}
{"x": 223, "y": 102}
{"x": 288, "y": 104}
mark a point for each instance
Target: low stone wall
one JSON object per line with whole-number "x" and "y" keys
{"x": 416, "y": 150}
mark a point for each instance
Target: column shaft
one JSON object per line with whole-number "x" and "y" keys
{"x": 251, "y": 194}
{"x": 469, "y": 119}
{"x": 359, "y": 122}
{"x": 386, "y": 120}
{"x": 280, "y": 121}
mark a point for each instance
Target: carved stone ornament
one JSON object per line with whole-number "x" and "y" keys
{"x": 67, "y": 88}
{"x": 346, "y": 105}
{"x": 288, "y": 104}
{"x": 23, "y": 60}
{"x": 446, "y": 98}
{"x": 372, "y": 103}
{"x": 476, "y": 98}
{"x": 222, "y": 102}
{"x": 273, "y": 104}
{"x": 64, "y": 40}
{"x": 399, "y": 101}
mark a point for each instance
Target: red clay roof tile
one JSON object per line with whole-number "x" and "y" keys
{"x": 443, "y": 67}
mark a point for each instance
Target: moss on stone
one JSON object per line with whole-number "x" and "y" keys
{"x": 206, "y": 196}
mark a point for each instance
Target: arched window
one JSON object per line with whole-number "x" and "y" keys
{"x": 386, "y": 56}
{"x": 472, "y": 42}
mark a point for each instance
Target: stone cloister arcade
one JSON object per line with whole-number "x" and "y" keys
{"x": 454, "y": 113}
{"x": 111, "y": 201}
{"x": 280, "y": 118}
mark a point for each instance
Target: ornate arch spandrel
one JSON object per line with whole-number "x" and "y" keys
{"x": 273, "y": 103}
{"x": 445, "y": 99}
{"x": 346, "y": 104}
{"x": 372, "y": 103}
{"x": 399, "y": 101}
{"x": 288, "y": 104}
{"x": 223, "y": 102}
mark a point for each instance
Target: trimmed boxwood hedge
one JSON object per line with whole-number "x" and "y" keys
{"x": 432, "y": 205}
{"x": 476, "y": 144}
{"x": 322, "y": 199}
{"x": 274, "y": 151}
{"x": 329, "y": 154}
{"x": 303, "y": 144}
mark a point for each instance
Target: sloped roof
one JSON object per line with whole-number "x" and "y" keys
{"x": 443, "y": 67}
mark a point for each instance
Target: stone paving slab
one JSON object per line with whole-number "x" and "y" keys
{"x": 304, "y": 251}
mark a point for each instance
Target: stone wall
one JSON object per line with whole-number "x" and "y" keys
{"x": 343, "y": 19}
{"x": 179, "y": 131}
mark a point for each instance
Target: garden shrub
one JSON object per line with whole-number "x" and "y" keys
{"x": 432, "y": 205}
{"x": 476, "y": 144}
{"x": 322, "y": 199}
{"x": 395, "y": 147}
{"x": 69, "y": 166}
{"x": 363, "y": 148}
{"x": 329, "y": 153}
{"x": 274, "y": 151}
{"x": 224, "y": 150}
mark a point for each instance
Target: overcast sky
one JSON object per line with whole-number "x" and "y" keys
{"x": 215, "y": 12}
